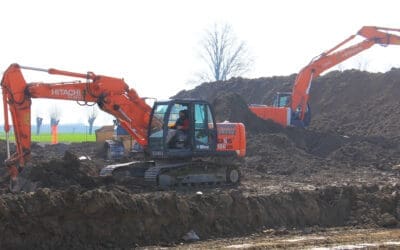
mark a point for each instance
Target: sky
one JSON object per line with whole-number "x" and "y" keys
{"x": 154, "y": 44}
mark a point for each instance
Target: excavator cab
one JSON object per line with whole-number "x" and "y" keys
{"x": 167, "y": 141}
{"x": 282, "y": 99}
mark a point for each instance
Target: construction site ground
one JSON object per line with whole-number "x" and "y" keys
{"x": 322, "y": 239}
{"x": 333, "y": 184}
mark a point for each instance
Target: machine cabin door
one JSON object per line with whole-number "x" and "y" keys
{"x": 166, "y": 139}
{"x": 205, "y": 133}
{"x": 166, "y": 136}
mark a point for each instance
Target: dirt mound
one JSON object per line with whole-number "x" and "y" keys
{"x": 60, "y": 173}
{"x": 61, "y": 166}
{"x": 253, "y": 91}
{"x": 277, "y": 150}
{"x": 297, "y": 153}
{"x": 350, "y": 103}
{"x": 231, "y": 107}
{"x": 362, "y": 104}
{"x": 350, "y": 124}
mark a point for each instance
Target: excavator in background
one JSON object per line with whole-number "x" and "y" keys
{"x": 292, "y": 108}
{"x": 206, "y": 154}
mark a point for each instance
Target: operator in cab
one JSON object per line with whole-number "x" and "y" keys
{"x": 179, "y": 131}
{"x": 182, "y": 123}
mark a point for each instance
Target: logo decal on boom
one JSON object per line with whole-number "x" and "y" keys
{"x": 68, "y": 93}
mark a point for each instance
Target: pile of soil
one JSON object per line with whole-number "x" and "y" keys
{"x": 59, "y": 173}
{"x": 231, "y": 107}
{"x": 363, "y": 103}
{"x": 273, "y": 149}
{"x": 351, "y": 102}
{"x": 253, "y": 91}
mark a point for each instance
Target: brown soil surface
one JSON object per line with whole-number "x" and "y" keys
{"x": 351, "y": 102}
{"x": 343, "y": 171}
{"x": 310, "y": 238}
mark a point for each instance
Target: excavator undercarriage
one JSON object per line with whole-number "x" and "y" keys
{"x": 167, "y": 174}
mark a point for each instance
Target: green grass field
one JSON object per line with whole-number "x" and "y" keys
{"x": 62, "y": 137}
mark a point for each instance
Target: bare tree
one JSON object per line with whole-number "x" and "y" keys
{"x": 39, "y": 121}
{"x": 224, "y": 54}
{"x": 91, "y": 118}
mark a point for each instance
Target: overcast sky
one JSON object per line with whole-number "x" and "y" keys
{"x": 154, "y": 45}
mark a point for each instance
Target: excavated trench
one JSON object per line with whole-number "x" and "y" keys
{"x": 98, "y": 218}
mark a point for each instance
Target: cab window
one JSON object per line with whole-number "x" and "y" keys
{"x": 204, "y": 125}
{"x": 174, "y": 114}
{"x": 157, "y": 121}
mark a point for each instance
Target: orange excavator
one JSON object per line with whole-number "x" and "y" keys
{"x": 196, "y": 156}
{"x": 292, "y": 108}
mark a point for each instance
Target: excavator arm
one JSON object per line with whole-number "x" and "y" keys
{"x": 334, "y": 56}
{"x": 112, "y": 95}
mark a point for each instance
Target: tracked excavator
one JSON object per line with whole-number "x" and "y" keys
{"x": 206, "y": 154}
{"x": 292, "y": 108}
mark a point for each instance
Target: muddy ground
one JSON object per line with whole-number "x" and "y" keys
{"x": 343, "y": 171}
{"x": 323, "y": 239}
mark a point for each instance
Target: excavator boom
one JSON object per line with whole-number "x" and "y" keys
{"x": 334, "y": 56}
{"x": 112, "y": 95}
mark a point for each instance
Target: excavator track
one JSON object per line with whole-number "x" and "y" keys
{"x": 169, "y": 175}
{"x": 192, "y": 174}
